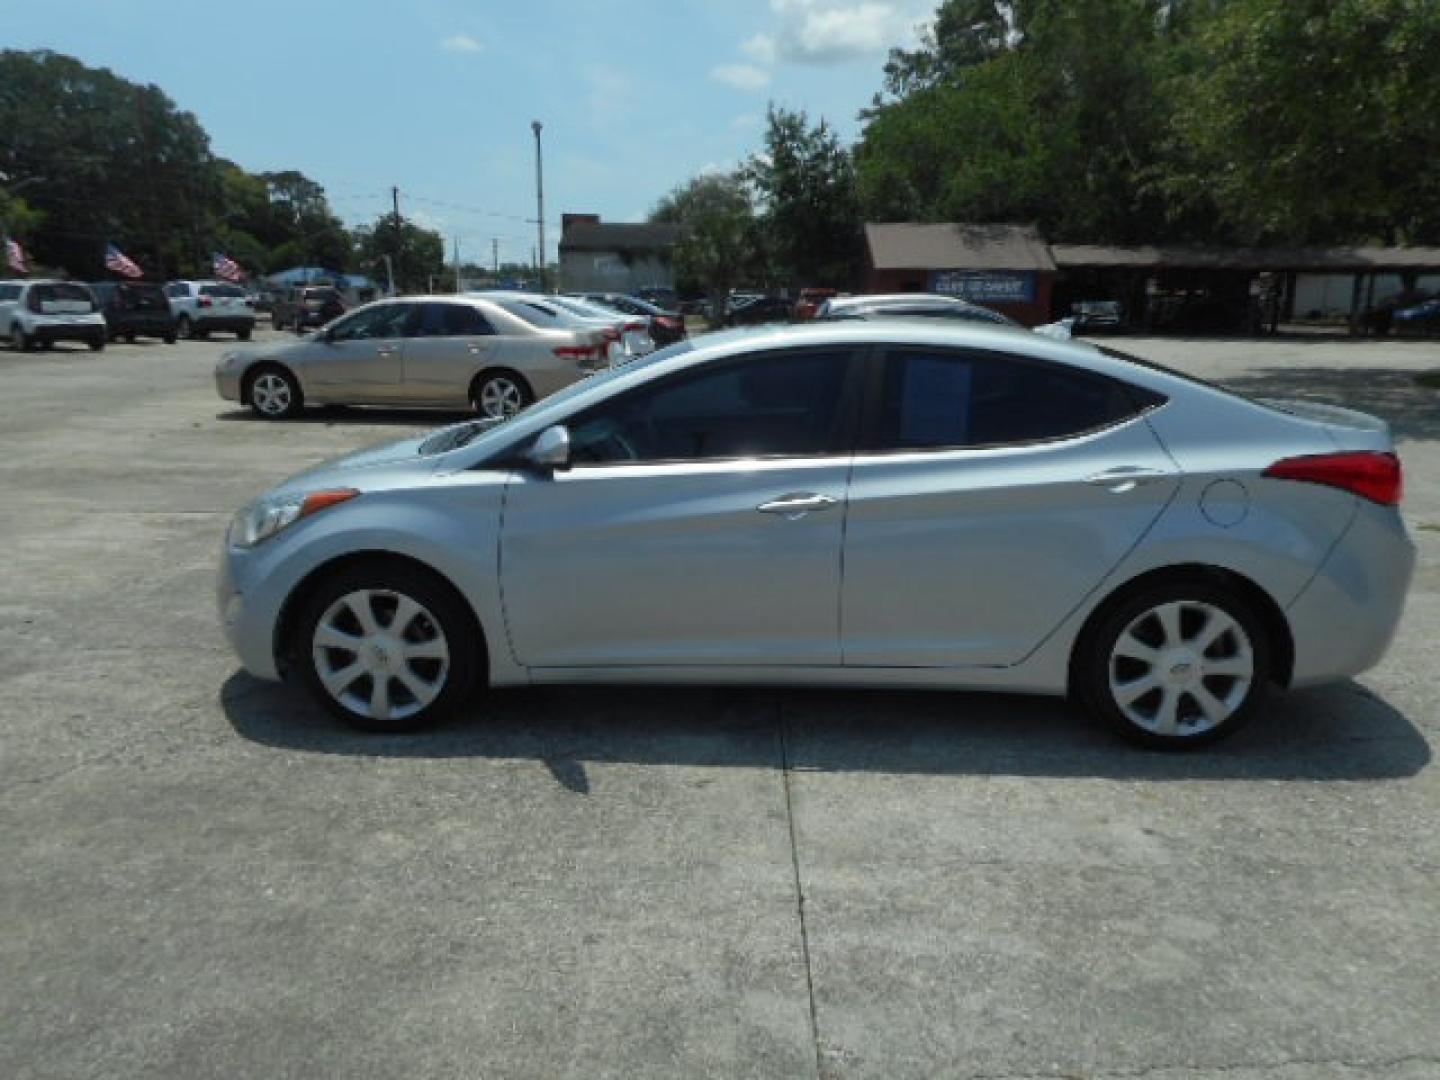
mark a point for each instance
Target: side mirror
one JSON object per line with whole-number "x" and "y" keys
{"x": 551, "y": 449}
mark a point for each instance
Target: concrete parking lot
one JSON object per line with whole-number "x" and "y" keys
{"x": 202, "y": 876}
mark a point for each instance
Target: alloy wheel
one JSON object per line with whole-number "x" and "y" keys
{"x": 271, "y": 394}
{"x": 501, "y": 398}
{"x": 1181, "y": 668}
{"x": 380, "y": 654}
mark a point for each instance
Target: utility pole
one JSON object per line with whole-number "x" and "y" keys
{"x": 457, "y": 265}
{"x": 395, "y": 198}
{"x": 535, "y": 126}
{"x": 495, "y": 256}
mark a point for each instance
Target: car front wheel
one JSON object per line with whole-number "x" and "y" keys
{"x": 275, "y": 394}
{"x": 387, "y": 648}
{"x": 1175, "y": 666}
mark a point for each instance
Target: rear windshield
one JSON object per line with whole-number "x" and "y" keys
{"x": 221, "y": 290}
{"x": 144, "y": 297}
{"x": 9, "y": 292}
{"x": 64, "y": 297}
{"x": 533, "y": 313}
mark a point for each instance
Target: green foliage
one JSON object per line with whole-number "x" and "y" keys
{"x": 417, "y": 254}
{"x": 721, "y": 243}
{"x": 1194, "y": 120}
{"x": 104, "y": 160}
{"x": 1317, "y": 120}
{"x": 805, "y": 180}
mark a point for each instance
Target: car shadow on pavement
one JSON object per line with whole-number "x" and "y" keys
{"x": 1338, "y": 732}
{"x": 359, "y": 414}
{"x": 1411, "y": 410}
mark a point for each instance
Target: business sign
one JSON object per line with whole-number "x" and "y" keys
{"x": 986, "y": 286}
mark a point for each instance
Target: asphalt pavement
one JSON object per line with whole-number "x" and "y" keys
{"x": 203, "y": 876}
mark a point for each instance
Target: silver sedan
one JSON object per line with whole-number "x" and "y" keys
{"x": 444, "y": 351}
{"x": 854, "y": 504}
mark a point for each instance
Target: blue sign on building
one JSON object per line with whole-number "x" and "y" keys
{"x": 986, "y": 286}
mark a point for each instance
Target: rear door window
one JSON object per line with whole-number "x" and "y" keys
{"x": 942, "y": 399}
{"x": 451, "y": 320}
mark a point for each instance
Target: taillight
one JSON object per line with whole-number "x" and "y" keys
{"x": 611, "y": 334}
{"x": 205, "y": 301}
{"x": 637, "y": 325}
{"x": 1371, "y": 475}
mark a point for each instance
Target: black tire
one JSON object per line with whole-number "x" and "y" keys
{"x": 129, "y": 339}
{"x": 491, "y": 382}
{"x": 243, "y": 335}
{"x": 185, "y": 328}
{"x": 265, "y": 397}
{"x": 1177, "y": 669}
{"x": 170, "y": 338}
{"x": 96, "y": 344}
{"x": 445, "y": 613}
{"x": 21, "y": 341}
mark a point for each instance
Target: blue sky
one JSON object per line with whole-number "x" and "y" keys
{"x": 437, "y": 96}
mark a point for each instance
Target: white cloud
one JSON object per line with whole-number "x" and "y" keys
{"x": 831, "y": 32}
{"x": 741, "y": 76}
{"x": 746, "y": 121}
{"x": 760, "y": 48}
{"x": 461, "y": 43}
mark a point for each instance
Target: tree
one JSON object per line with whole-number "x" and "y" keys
{"x": 417, "y": 254}
{"x": 720, "y": 245}
{"x": 1339, "y": 130}
{"x": 810, "y": 211}
{"x": 120, "y": 163}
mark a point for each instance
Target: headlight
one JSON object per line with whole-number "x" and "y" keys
{"x": 265, "y": 517}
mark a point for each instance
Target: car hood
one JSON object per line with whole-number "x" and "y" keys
{"x": 374, "y": 468}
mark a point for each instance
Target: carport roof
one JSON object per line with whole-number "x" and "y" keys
{"x": 950, "y": 246}
{"x": 1344, "y": 259}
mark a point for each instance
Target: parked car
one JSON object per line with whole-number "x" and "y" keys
{"x": 304, "y": 307}
{"x": 665, "y": 327}
{"x": 929, "y": 306}
{"x": 807, "y": 306}
{"x": 757, "y": 310}
{"x": 1418, "y": 318}
{"x": 635, "y": 336}
{"x": 541, "y": 310}
{"x": 204, "y": 307}
{"x": 443, "y": 351}
{"x": 43, "y": 312}
{"x": 910, "y": 306}
{"x": 1098, "y": 317}
{"x": 661, "y": 297}
{"x": 1010, "y": 513}
{"x": 134, "y": 309}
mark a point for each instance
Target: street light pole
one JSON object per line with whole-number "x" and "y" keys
{"x": 535, "y": 126}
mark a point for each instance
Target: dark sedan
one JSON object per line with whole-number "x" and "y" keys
{"x": 135, "y": 309}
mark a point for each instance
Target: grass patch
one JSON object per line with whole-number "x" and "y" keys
{"x": 1430, "y": 379}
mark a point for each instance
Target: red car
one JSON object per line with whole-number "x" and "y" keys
{"x": 810, "y": 301}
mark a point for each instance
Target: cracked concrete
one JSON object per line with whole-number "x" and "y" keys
{"x": 201, "y": 876}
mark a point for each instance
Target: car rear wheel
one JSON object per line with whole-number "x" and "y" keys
{"x": 19, "y": 340}
{"x": 1175, "y": 666}
{"x": 500, "y": 395}
{"x": 275, "y": 394}
{"x": 387, "y": 648}
{"x": 96, "y": 344}
{"x": 185, "y": 328}
{"x": 243, "y": 335}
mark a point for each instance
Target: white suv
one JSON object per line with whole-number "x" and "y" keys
{"x": 41, "y": 312}
{"x": 202, "y": 306}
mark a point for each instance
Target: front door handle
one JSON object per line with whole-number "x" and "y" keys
{"x": 797, "y": 504}
{"x": 1125, "y": 478}
{"x": 385, "y": 350}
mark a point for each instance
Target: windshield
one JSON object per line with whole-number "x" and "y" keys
{"x": 452, "y": 438}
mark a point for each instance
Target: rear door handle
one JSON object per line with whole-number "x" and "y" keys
{"x": 1125, "y": 478}
{"x": 797, "y": 504}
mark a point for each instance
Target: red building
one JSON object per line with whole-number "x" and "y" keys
{"x": 1004, "y": 267}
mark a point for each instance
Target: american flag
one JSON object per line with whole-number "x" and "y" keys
{"x": 15, "y": 257}
{"x": 117, "y": 261}
{"x": 226, "y": 268}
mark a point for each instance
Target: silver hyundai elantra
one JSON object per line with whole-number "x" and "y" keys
{"x": 876, "y": 504}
